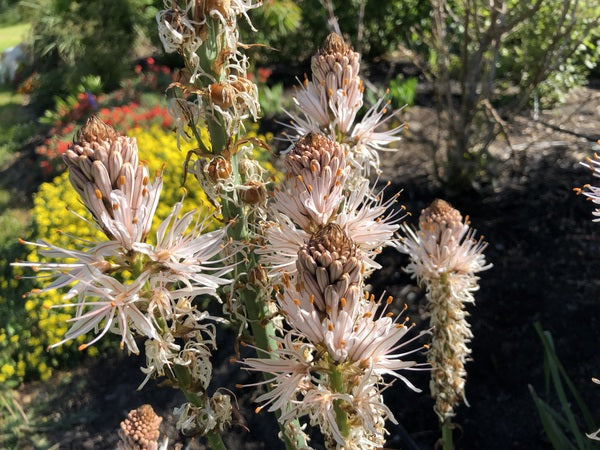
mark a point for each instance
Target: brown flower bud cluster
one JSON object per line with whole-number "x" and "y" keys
{"x": 330, "y": 268}
{"x": 114, "y": 186}
{"x": 140, "y": 430}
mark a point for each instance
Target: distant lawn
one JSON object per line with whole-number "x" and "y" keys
{"x": 10, "y": 107}
{"x": 11, "y": 118}
{"x": 13, "y": 35}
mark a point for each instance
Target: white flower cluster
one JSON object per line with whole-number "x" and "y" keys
{"x": 445, "y": 258}
{"x": 337, "y": 343}
{"x": 592, "y": 192}
{"x": 330, "y": 101}
{"x": 157, "y": 304}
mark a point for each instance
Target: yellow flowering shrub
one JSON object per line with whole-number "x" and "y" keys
{"x": 54, "y": 221}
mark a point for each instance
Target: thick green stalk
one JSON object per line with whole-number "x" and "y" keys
{"x": 341, "y": 417}
{"x": 447, "y": 435}
{"x": 253, "y": 297}
{"x": 215, "y": 441}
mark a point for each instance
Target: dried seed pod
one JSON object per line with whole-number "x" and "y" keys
{"x": 219, "y": 169}
{"x": 253, "y": 193}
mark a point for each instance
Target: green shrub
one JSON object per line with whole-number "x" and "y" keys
{"x": 74, "y": 38}
{"x": 295, "y": 32}
{"x": 523, "y": 57}
{"x": 403, "y": 91}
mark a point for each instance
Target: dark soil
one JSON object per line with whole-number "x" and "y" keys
{"x": 544, "y": 247}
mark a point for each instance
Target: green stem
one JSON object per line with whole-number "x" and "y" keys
{"x": 218, "y": 134}
{"x": 215, "y": 441}
{"x": 447, "y": 435}
{"x": 253, "y": 297}
{"x": 341, "y": 417}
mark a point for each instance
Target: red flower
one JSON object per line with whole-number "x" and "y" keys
{"x": 263, "y": 74}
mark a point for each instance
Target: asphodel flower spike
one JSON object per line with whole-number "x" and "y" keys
{"x": 340, "y": 345}
{"x": 445, "y": 258}
{"x": 592, "y": 192}
{"x": 329, "y": 102}
{"x": 113, "y": 185}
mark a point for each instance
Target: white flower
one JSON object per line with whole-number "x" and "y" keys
{"x": 188, "y": 256}
{"x": 105, "y": 305}
{"x": 289, "y": 366}
{"x": 369, "y": 221}
{"x": 366, "y": 141}
{"x": 319, "y": 404}
{"x": 280, "y": 252}
{"x": 592, "y": 192}
{"x": 443, "y": 244}
{"x": 97, "y": 256}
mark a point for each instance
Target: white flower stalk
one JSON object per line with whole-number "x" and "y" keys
{"x": 341, "y": 345}
{"x": 445, "y": 258}
{"x": 114, "y": 187}
{"x": 329, "y": 103}
{"x": 140, "y": 430}
{"x": 592, "y": 192}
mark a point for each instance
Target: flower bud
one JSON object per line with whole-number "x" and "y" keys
{"x": 440, "y": 216}
{"x": 104, "y": 170}
{"x": 140, "y": 430}
{"x": 330, "y": 268}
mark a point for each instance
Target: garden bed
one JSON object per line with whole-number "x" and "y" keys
{"x": 544, "y": 247}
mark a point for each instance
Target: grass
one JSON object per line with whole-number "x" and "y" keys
{"x": 12, "y": 35}
{"x": 12, "y": 120}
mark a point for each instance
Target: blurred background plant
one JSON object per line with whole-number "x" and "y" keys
{"x": 488, "y": 61}
{"x": 74, "y": 38}
{"x": 403, "y": 91}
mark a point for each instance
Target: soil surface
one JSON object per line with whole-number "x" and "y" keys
{"x": 545, "y": 250}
